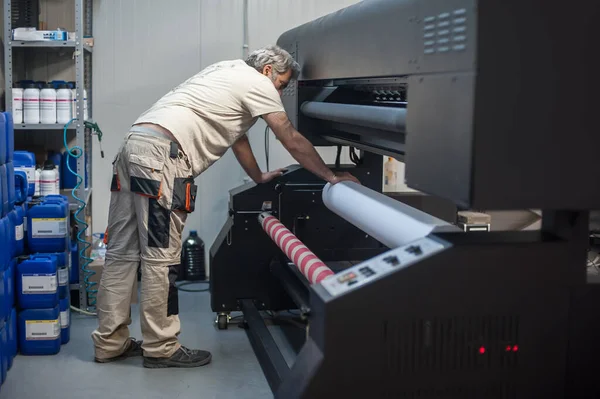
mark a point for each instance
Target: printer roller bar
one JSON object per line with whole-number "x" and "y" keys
{"x": 377, "y": 117}
{"x": 307, "y": 262}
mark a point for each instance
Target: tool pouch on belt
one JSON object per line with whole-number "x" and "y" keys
{"x": 115, "y": 184}
{"x": 184, "y": 194}
{"x": 146, "y": 175}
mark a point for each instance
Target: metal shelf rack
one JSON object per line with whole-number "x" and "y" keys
{"x": 83, "y": 68}
{"x": 51, "y": 44}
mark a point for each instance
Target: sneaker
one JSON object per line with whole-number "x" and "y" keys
{"x": 134, "y": 349}
{"x": 183, "y": 357}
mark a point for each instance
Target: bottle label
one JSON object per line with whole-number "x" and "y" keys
{"x": 39, "y": 283}
{"x": 19, "y": 232}
{"x": 42, "y": 330}
{"x": 63, "y": 276}
{"x": 48, "y": 227}
{"x": 64, "y": 319}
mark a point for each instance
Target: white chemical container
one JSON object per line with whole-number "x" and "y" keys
{"x": 48, "y": 179}
{"x": 31, "y": 104}
{"x": 85, "y": 102}
{"x": 64, "y": 102}
{"x": 38, "y": 177}
{"x": 48, "y": 104}
{"x": 17, "y": 105}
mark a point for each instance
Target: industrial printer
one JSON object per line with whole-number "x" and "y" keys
{"x": 491, "y": 105}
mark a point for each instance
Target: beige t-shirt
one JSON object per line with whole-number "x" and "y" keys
{"x": 211, "y": 110}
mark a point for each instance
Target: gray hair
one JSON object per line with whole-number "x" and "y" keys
{"x": 280, "y": 59}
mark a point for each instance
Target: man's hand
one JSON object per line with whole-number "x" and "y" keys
{"x": 301, "y": 149}
{"x": 342, "y": 176}
{"x": 268, "y": 176}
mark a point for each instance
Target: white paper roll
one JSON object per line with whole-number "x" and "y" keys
{"x": 389, "y": 221}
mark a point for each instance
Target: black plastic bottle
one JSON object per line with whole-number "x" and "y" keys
{"x": 192, "y": 259}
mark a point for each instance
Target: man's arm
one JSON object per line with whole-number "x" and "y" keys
{"x": 243, "y": 152}
{"x": 301, "y": 149}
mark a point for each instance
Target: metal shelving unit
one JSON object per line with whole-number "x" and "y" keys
{"x": 40, "y": 126}
{"x": 51, "y": 44}
{"x": 83, "y": 68}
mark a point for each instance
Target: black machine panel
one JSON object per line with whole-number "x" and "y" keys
{"x": 497, "y": 116}
{"x": 464, "y": 323}
{"x": 242, "y": 253}
{"x": 489, "y": 104}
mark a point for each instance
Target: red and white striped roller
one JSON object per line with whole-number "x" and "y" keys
{"x": 311, "y": 267}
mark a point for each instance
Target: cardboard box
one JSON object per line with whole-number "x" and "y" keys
{"x": 97, "y": 267}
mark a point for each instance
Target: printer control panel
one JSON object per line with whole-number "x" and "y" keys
{"x": 383, "y": 264}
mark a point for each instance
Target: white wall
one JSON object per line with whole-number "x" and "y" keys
{"x": 143, "y": 48}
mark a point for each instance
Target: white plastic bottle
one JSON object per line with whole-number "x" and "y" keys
{"x": 48, "y": 104}
{"x": 48, "y": 179}
{"x": 17, "y": 105}
{"x": 85, "y": 102}
{"x": 31, "y": 104}
{"x": 64, "y": 102}
{"x": 38, "y": 177}
{"x": 390, "y": 175}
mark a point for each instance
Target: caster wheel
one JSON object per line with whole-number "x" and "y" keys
{"x": 222, "y": 321}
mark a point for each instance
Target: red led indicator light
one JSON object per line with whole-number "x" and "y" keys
{"x": 481, "y": 350}
{"x": 515, "y": 348}
{"x": 508, "y": 348}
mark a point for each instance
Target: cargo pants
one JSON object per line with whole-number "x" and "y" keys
{"x": 152, "y": 192}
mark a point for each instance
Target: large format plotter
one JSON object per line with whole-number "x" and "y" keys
{"x": 491, "y": 105}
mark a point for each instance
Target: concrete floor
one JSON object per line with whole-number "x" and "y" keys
{"x": 72, "y": 374}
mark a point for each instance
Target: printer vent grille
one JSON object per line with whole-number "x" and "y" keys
{"x": 445, "y": 344}
{"x": 445, "y": 32}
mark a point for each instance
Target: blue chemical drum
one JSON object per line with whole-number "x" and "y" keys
{"x": 37, "y": 283}
{"x": 3, "y": 139}
{"x": 12, "y": 333}
{"x": 10, "y": 137}
{"x": 11, "y": 327}
{"x": 3, "y": 307}
{"x": 3, "y": 353}
{"x": 62, "y": 267}
{"x": 4, "y": 242}
{"x": 25, "y": 161}
{"x": 21, "y": 187}
{"x": 9, "y": 285}
{"x": 39, "y": 331}
{"x": 3, "y": 191}
{"x": 65, "y": 320}
{"x": 16, "y": 217}
{"x": 47, "y": 226}
{"x": 5, "y": 349}
{"x": 10, "y": 182}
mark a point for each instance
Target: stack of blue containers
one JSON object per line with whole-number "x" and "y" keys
{"x": 35, "y": 259}
{"x": 43, "y": 278}
{"x": 11, "y": 245}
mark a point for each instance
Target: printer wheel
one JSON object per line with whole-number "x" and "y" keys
{"x": 222, "y": 321}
